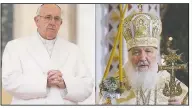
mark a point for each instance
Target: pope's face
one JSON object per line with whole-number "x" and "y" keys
{"x": 49, "y": 21}
{"x": 143, "y": 58}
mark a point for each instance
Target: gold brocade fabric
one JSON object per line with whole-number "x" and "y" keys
{"x": 142, "y": 29}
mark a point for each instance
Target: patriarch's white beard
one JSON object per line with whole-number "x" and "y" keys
{"x": 144, "y": 80}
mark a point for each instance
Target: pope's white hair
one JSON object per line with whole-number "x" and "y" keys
{"x": 39, "y": 10}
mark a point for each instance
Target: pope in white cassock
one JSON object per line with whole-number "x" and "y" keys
{"x": 44, "y": 68}
{"x": 143, "y": 84}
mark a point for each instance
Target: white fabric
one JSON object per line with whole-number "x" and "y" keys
{"x": 49, "y": 44}
{"x": 25, "y": 65}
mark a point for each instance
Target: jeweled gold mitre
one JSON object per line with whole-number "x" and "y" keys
{"x": 142, "y": 29}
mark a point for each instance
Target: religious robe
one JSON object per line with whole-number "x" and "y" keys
{"x": 130, "y": 97}
{"x": 25, "y": 64}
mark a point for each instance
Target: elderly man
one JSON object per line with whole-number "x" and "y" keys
{"x": 143, "y": 84}
{"x": 44, "y": 68}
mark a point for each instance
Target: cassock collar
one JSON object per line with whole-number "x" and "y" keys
{"x": 45, "y": 41}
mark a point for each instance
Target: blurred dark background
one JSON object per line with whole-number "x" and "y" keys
{"x": 175, "y": 22}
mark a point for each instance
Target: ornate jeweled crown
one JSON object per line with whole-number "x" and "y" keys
{"x": 142, "y": 29}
